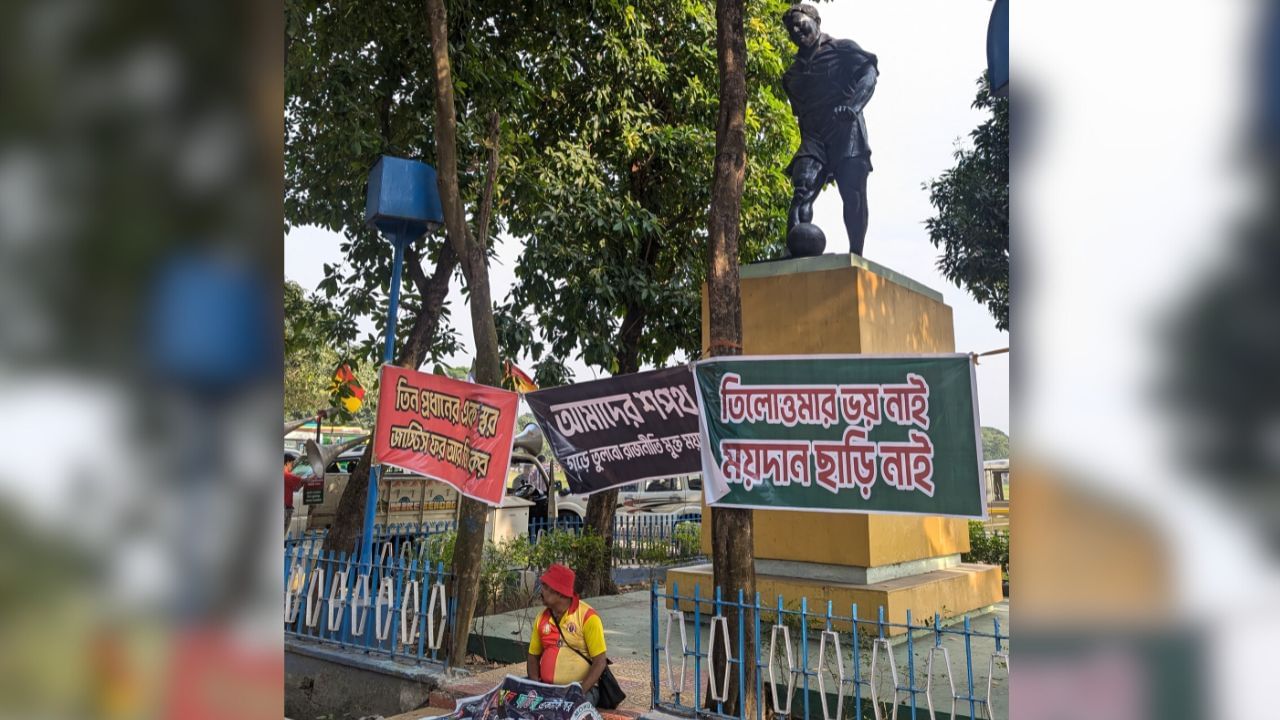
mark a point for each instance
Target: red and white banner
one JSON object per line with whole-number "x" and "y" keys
{"x": 446, "y": 429}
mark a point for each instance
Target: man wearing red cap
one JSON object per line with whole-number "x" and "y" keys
{"x": 564, "y": 635}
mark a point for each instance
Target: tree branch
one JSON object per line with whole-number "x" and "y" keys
{"x": 433, "y": 291}
{"x": 472, "y": 514}
{"x": 485, "y": 213}
{"x": 446, "y": 134}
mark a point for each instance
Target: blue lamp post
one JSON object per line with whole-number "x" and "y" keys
{"x": 998, "y": 48}
{"x": 403, "y": 203}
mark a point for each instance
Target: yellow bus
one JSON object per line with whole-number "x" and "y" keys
{"x": 996, "y": 478}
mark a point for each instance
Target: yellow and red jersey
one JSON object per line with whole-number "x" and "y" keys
{"x": 583, "y": 631}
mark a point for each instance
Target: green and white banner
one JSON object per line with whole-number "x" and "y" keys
{"x": 842, "y": 433}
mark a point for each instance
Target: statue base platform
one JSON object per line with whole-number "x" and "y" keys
{"x": 847, "y": 304}
{"x": 958, "y": 589}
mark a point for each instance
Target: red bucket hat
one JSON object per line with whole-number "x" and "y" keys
{"x": 559, "y": 578}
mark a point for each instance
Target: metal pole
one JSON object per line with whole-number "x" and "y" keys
{"x": 655, "y": 681}
{"x": 553, "y": 496}
{"x": 388, "y": 356}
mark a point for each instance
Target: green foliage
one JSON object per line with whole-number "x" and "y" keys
{"x": 987, "y": 547}
{"x": 608, "y": 137}
{"x": 995, "y": 444}
{"x": 504, "y": 565}
{"x": 688, "y": 539}
{"x": 575, "y": 549}
{"x": 310, "y": 358}
{"x": 658, "y": 548}
{"x": 610, "y": 181}
{"x": 972, "y": 201}
{"x": 439, "y": 547}
{"x": 358, "y": 85}
{"x": 500, "y": 577}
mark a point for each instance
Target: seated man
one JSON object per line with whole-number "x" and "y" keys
{"x": 565, "y": 635}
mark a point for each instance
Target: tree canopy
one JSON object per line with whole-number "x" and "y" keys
{"x": 610, "y": 183}
{"x": 608, "y": 137}
{"x": 310, "y": 359}
{"x": 995, "y": 444}
{"x": 358, "y": 84}
{"x": 972, "y": 202}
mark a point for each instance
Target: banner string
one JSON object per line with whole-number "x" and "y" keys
{"x": 974, "y": 356}
{"x": 717, "y": 344}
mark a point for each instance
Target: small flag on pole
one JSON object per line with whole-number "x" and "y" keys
{"x": 519, "y": 380}
{"x": 345, "y": 390}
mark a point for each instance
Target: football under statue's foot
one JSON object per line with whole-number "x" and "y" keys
{"x": 806, "y": 240}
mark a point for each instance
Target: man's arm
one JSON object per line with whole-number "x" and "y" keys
{"x": 865, "y": 86}
{"x": 535, "y": 651}
{"x": 598, "y": 664}
{"x": 593, "y": 634}
{"x": 863, "y": 83}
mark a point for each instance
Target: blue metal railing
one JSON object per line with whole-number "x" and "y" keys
{"x": 538, "y": 527}
{"x": 397, "y": 538}
{"x": 393, "y": 606}
{"x": 778, "y": 675}
{"x": 637, "y": 539}
{"x": 655, "y": 539}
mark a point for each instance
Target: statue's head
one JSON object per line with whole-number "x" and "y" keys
{"x": 803, "y": 24}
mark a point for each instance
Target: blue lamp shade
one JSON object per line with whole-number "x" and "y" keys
{"x": 998, "y": 48}
{"x": 403, "y": 199}
{"x": 210, "y": 325}
{"x": 1270, "y": 90}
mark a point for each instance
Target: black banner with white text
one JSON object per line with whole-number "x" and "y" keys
{"x": 623, "y": 429}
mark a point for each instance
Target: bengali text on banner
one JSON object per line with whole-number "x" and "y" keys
{"x": 855, "y": 433}
{"x": 622, "y": 429}
{"x": 447, "y": 429}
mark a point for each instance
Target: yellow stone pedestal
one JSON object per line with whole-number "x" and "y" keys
{"x": 845, "y": 304}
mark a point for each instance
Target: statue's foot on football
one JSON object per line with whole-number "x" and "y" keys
{"x": 805, "y": 240}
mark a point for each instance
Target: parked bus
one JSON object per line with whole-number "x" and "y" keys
{"x": 996, "y": 480}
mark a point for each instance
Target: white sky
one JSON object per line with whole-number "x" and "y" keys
{"x": 920, "y": 109}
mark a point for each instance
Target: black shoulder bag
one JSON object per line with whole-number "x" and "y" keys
{"x": 611, "y": 695}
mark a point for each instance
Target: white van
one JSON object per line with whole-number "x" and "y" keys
{"x": 680, "y": 496}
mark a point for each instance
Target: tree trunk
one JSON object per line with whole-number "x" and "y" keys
{"x": 732, "y": 541}
{"x": 596, "y": 577}
{"x": 348, "y": 520}
{"x": 433, "y": 292}
{"x": 469, "y": 549}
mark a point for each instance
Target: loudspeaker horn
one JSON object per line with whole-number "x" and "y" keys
{"x": 319, "y": 456}
{"x": 529, "y": 440}
{"x": 295, "y": 424}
